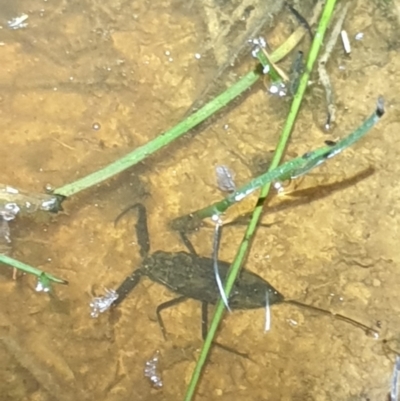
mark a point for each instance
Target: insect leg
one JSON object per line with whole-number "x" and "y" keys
{"x": 187, "y": 243}
{"x": 368, "y": 330}
{"x": 142, "y": 231}
{"x": 127, "y": 286}
{"x": 204, "y": 331}
{"x": 167, "y": 305}
{"x": 204, "y": 320}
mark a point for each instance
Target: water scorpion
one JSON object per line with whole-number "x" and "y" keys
{"x": 192, "y": 276}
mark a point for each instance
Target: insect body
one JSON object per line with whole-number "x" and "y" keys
{"x": 192, "y": 276}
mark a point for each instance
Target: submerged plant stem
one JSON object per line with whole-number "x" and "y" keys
{"x": 235, "y": 268}
{"x": 292, "y": 169}
{"x": 180, "y": 129}
{"x": 40, "y": 274}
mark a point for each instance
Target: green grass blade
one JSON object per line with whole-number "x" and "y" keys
{"x": 325, "y": 18}
{"x": 293, "y": 168}
{"x": 180, "y": 129}
{"x": 40, "y": 274}
{"x": 162, "y": 140}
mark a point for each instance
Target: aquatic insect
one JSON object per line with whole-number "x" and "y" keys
{"x": 192, "y": 276}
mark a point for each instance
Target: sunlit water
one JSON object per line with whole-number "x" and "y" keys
{"x": 86, "y": 82}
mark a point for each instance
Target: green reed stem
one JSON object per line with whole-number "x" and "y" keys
{"x": 162, "y": 140}
{"x": 235, "y": 267}
{"x": 40, "y": 274}
{"x": 292, "y": 169}
{"x": 180, "y": 129}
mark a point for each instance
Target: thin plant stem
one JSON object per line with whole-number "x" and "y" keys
{"x": 180, "y": 129}
{"x": 235, "y": 267}
{"x": 40, "y": 274}
{"x": 290, "y": 170}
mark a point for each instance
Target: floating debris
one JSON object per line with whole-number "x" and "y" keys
{"x": 15, "y": 201}
{"x": 345, "y": 41}
{"x": 359, "y": 36}
{"x": 18, "y": 22}
{"x": 217, "y": 237}
{"x": 323, "y": 75}
{"x": 43, "y": 284}
{"x": 394, "y": 387}
{"x": 225, "y": 179}
{"x": 278, "y": 88}
{"x": 267, "y": 313}
{"x": 278, "y": 186}
{"x": 258, "y": 43}
{"x": 102, "y": 304}
{"x": 7, "y": 213}
{"x": 151, "y": 371}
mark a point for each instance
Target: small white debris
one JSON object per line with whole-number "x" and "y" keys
{"x": 167, "y": 53}
{"x": 11, "y": 190}
{"x": 278, "y": 186}
{"x": 278, "y": 88}
{"x": 225, "y": 178}
{"x": 394, "y": 388}
{"x": 217, "y": 236}
{"x": 292, "y": 322}
{"x": 151, "y": 371}
{"x": 373, "y": 334}
{"x": 49, "y": 204}
{"x": 40, "y": 287}
{"x": 345, "y": 41}
{"x": 18, "y": 22}
{"x": 359, "y": 36}
{"x": 197, "y": 56}
{"x": 260, "y": 41}
{"x": 96, "y": 126}
{"x": 257, "y": 43}
{"x": 266, "y": 69}
{"x": 9, "y": 211}
{"x": 225, "y": 127}
{"x": 102, "y": 304}
{"x": 267, "y": 313}
{"x": 215, "y": 218}
{"x": 239, "y": 197}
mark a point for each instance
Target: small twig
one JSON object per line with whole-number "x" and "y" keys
{"x": 63, "y": 144}
{"x": 323, "y": 75}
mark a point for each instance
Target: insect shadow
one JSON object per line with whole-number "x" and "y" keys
{"x": 192, "y": 277}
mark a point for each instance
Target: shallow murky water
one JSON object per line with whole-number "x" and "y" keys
{"x": 83, "y": 84}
